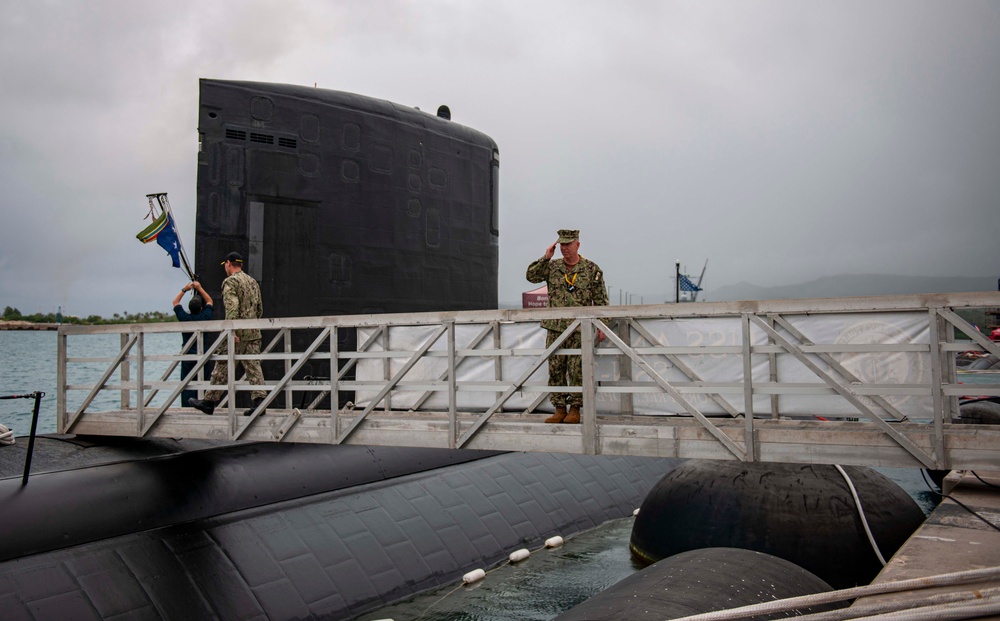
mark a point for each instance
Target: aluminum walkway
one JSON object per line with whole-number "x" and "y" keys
{"x": 863, "y": 381}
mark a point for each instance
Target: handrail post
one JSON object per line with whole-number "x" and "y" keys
{"x": 62, "y": 416}
{"x": 125, "y": 373}
{"x": 289, "y": 400}
{"x": 200, "y": 377}
{"x": 497, "y": 360}
{"x": 231, "y": 379}
{"x": 747, "y": 389}
{"x": 334, "y": 384}
{"x": 772, "y": 366}
{"x": 386, "y": 366}
{"x": 937, "y": 392}
{"x": 452, "y": 388}
{"x": 950, "y": 372}
{"x": 627, "y": 399}
{"x": 31, "y": 437}
{"x": 140, "y": 379}
{"x": 589, "y": 418}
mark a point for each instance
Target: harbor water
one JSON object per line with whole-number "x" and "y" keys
{"x": 549, "y": 582}
{"x": 28, "y": 364}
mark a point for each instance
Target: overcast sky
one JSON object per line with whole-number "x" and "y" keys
{"x": 781, "y": 141}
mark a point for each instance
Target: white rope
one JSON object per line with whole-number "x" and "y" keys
{"x": 861, "y": 513}
{"x": 816, "y": 599}
{"x": 919, "y": 603}
{"x": 945, "y": 612}
{"x": 6, "y": 436}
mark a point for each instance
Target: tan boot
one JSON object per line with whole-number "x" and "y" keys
{"x": 573, "y": 418}
{"x": 558, "y": 416}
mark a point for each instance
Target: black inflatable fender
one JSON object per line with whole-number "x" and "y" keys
{"x": 804, "y": 514}
{"x": 701, "y": 581}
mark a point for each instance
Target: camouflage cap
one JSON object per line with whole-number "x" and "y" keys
{"x": 568, "y": 235}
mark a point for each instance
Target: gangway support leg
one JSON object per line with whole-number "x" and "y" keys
{"x": 286, "y": 425}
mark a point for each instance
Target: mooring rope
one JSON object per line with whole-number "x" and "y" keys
{"x": 861, "y": 514}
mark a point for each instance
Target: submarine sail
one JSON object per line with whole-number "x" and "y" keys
{"x": 345, "y": 204}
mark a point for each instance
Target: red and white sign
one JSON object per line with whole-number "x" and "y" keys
{"x": 536, "y": 298}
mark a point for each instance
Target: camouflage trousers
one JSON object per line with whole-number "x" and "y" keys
{"x": 220, "y": 374}
{"x": 565, "y": 370}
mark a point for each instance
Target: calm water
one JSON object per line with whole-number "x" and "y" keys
{"x": 28, "y": 364}
{"x": 548, "y": 583}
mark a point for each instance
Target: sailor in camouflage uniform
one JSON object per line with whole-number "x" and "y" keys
{"x": 572, "y": 281}
{"x": 241, "y": 298}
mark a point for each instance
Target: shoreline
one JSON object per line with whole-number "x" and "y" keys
{"x": 27, "y": 325}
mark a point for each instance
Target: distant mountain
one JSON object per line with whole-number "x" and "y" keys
{"x": 846, "y": 285}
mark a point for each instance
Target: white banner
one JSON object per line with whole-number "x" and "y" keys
{"x": 894, "y": 372}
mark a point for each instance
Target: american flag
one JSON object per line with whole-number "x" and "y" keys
{"x": 687, "y": 285}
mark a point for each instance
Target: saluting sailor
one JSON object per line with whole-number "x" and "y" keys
{"x": 572, "y": 281}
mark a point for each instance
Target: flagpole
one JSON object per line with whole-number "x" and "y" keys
{"x": 161, "y": 198}
{"x": 677, "y": 283}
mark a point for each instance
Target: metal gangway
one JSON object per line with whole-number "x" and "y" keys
{"x": 860, "y": 380}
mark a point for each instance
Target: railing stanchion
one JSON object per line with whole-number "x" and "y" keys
{"x": 62, "y": 415}
{"x": 452, "y": 388}
{"x": 31, "y": 436}
{"x": 624, "y": 331}
{"x": 747, "y": 390}
{"x": 334, "y": 384}
{"x": 937, "y": 395}
{"x": 126, "y": 374}
{"x": 588, "y": 362}
{"x": 140, "y": 381}
{"x": 289, "y": 400}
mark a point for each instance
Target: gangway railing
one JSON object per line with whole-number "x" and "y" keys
{"x": 861, "y": 380}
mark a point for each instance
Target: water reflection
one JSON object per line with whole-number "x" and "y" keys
{"x": 548, "y": 583}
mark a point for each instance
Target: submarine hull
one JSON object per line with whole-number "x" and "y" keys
{"x": 290, "y": 532}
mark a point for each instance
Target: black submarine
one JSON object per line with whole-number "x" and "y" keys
{"x": 342, "y": 204}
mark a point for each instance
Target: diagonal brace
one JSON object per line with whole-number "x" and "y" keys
{"x": 846, "y": 393}
{"x": 104, "y": 380}
{"x": 674, "y": 394}
{"x": 517, "y": 384}
{"x": 301, "y": 362}
{"x": 392, "y": 383}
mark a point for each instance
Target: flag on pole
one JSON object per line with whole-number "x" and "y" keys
{"x": 687, "y": 285}
{"x": 162, "y": 230}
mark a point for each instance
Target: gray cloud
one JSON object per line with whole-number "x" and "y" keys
{"x": 782, "y": 141}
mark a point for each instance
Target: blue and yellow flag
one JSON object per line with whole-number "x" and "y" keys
{"x": 162, "y": 230}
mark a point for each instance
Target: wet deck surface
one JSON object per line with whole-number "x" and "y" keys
{"x": 952, "y": 539}
{"x": 54, "y": 452}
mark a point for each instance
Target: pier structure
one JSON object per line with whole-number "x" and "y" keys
{"x": 861, "y": 380}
